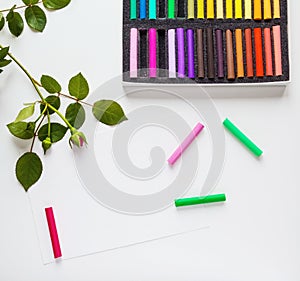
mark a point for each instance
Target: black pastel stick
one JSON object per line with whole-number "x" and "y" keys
{"x": 220, "y": 53}
{"x": 210, "y": 54}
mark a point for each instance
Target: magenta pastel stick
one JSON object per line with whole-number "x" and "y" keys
{"x": 189, "y": 139}
{"x": 180, "y": 49}
{"x": 53, "y": 233}
{"x": 190, "y": 43}
{"x": 152, "y": 52}
{"x": 133, "y": 52}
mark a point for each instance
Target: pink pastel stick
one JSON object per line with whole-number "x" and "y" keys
{"x": 152, "y": 52}
{"x": 133, "y": 52}
{"x": 277, "y": 50}
{"x": 53, "y": 233}
{"x": 189, "y": 139}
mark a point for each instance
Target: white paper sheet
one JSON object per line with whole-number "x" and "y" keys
{"x": 84, "y": 224}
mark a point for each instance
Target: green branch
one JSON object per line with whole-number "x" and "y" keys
{"x": 19, "y": 7}
{"x": 27, "y": 74}
{"x": 60, "y": 115}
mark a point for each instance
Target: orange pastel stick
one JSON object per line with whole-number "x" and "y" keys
{"x": 257, "y": 9}
{"x": 239, "y": 53}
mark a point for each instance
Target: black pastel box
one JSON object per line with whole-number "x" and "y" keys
{"x": 206, "y": 41}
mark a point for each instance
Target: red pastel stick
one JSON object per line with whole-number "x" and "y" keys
{"x": 249, "y": 50}
{"x": 258, "y": 52}
{"x": 53, "y": 233}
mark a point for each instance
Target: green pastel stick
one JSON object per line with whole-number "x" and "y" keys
{"x": 132, "y": 9}
{"x": 152, "y": 9}
{"x": 171, "y": 9}
{"x": 242, "y": 138}
{"x": 200, "y": 200}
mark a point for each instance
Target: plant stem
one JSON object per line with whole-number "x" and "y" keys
{"x": 19, "y": 7}
{"x": 49, "y": 124}
{"x": 72, "y": 98}
{"x": 66, "y": 96}
{"x": 41, "y": 114}
{"x": 35, "y": 133}
{"x": 60, "y": 115}
{"x": 35, "y": 85}
{"x": 27, "y": 74}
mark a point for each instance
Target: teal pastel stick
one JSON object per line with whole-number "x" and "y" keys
{"x": 242, "y": 138}
{"x": 132, "y": 9}
{"x": 152, "y": 9}
{"x": 200, "y": 200}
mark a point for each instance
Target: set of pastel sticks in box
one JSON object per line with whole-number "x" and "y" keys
{"x": 208, "y": 41}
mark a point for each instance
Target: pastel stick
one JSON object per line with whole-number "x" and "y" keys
{"x": 220, "y": 53}
{"x": 210, "y": 54}
{"x": 200, "y": 53}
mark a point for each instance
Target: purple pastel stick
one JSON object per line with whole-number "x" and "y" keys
{"x": 220, "y": 53}
{"x": 190, "y": 42}
{"x": 189, "y": 139}
{"x": 180, "y": 48}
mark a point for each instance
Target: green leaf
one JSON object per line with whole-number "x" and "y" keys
{"x": 25, "y": 113}
{"x": 15, "y": 23}
{"x": 56, "y": 4}
{"x": 50, "y": 84}
{"x": 108, "y": 112}
{"x": 57, "y": 132}
{"x": 29, "y": 169}
{"x": 2, "y": 21}
{"x": 52, "y": 100}
{"x": 30, "y": 2}
{"x": 4, "y": 52}
{"x": 75, "y": 114}
{"x": 4, "y": 62}
{"x": 35, "y": 18}
{"x": 22, "y": 130}
{"x": 78, "y": 87}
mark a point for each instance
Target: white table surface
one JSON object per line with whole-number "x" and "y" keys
{"x": 254, "y": 237}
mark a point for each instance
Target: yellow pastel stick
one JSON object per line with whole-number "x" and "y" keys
{"x": 210, "y": 9}
{"x": 229, "y": 11}
{"x": 248, "y": 9}
{"x": 276, "y": 7}
{"x": 238, "y": 9}
{"x": 200, "y": 9}
{"x": 257, "y": 10}
{"x": 267, "y": 10}
{"x": 191, "y": 10}
{"x": 220, "y": 9}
